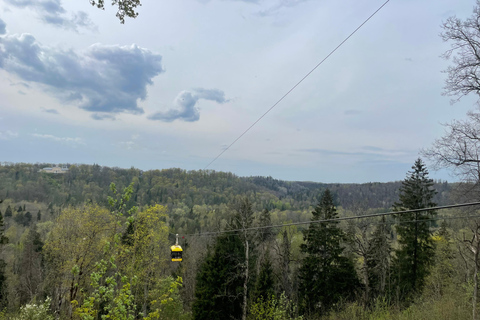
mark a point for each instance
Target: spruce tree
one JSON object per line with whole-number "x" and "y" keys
{"x": 218, "y": 292}
{"x": 8, "y": 212}
{"x": 378, "y": 260}
{"x": 326, "y": 276}
{"x": 264, "y": 286}
{"x": 415, "y": 248}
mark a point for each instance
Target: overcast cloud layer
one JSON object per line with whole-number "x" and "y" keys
{"x": 185, "y": 79}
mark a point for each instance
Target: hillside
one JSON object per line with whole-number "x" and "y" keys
{"x": 85, "y": 183}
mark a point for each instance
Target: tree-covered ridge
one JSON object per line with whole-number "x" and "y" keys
{"x": 174, "y": 186}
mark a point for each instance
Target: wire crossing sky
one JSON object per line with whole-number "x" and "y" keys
{"x": 296, "y": 85}
{"x": 184, "y": 81}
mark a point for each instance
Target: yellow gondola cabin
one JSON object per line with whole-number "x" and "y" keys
{"x": 176, "y": 251}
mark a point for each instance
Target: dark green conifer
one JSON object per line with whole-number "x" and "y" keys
{"x": 8, "y": 212}
{"x": 264, "y": 287}
{"x": 326, "y": 276}
{"x": 219, "y": 281}
{"x": 378, "y": 260}
{"x": 415, "y": 251}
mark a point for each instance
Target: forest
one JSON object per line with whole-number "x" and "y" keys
{"x": 94, "y": 243}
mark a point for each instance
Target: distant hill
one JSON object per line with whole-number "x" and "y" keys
{"x": 89, "y": 183}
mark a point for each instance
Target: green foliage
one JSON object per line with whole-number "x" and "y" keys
{"x": 219, "y": 281}
{"x": 326, "y": 276}
{"x": 264, "y": 286}
{"x": 378, "y": 260}
{"x": 415, "y": 248}
{"x": 168, "y": 305}
{"x": 273, "y": 309}
{"x": 35, "y": 312}
{"x": 125, "y": 7}
{"x": 8, "y": 212}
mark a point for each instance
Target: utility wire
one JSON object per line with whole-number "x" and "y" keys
{"x": 296, "y": 85}
{"x": 340, "y": 219}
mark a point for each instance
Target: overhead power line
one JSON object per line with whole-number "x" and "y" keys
{"x": 373, "y": 215}
{"x": 296, "y": 85}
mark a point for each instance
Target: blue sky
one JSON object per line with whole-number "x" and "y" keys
{"x": 176, "y": 85}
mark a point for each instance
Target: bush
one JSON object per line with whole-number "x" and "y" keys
{"x": 35, "y": 312}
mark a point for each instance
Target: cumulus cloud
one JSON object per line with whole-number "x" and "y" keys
{"x": 7, "y": 135}
{"x": 185, "y": 105}
{"x": 59, "y": 139}
{"x": 3, "y": 27}
{"x": 101, "y": 79}
{"x": 52, "y": 12}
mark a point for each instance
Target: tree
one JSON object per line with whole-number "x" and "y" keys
{"x": 218, "y": 292}
{"x": 31, "y": 270}
{"x": 463, "y": 35}
{"x": 85, "y": 232}
{"x": 326, "y": 276}
{"x": 8, "y": 212}
{"x": 3, "y": 279}
{"x": 415, "y": 247}
{"x": 242, "y": 220}
{"x": 378, "y": 259}
{"x": 459, "y": 150}
{"x": 125, "y": 7}
{"x": 264, "y": 287}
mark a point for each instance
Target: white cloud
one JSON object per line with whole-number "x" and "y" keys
{"x": 67, "y": 140}
{"x": 185, "y": 105}
{"x": 7, "y": 135}
{"x": 52, "y": 12}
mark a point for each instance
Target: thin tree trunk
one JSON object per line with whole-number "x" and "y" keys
{"x": 475, "y": 286}
{"x": 245, "y": 283}
{"x": 414, "y": 280}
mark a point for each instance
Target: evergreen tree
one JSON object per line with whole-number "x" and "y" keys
{"x": 378, "y": 260}
{"x": 326, "y": 276}
{"x": 218, "y": 293}
{"x": 39, "y": 215}
{"x": 28, "y": 218}
{"x": 415, "y": 251}
{"x": 8, "y": 212}
{"x": 265, "y": 281}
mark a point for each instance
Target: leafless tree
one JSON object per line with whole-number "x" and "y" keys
{"x": 464, "y": 38}
{"x": 473, "y": 245}
{"x": 459, "y": 150}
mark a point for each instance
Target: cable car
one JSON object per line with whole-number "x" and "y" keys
{"x": 176, "y": 251}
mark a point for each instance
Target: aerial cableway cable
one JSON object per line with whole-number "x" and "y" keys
{"x": 373, "y": 215}
{"x": 296, "y": 85}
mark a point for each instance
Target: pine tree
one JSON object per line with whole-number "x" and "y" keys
{"x": 326, "y": 276}
{"x": 264, "y": 287}
{"x": 8, "y": 212}
{"x": 415, "y": 251}
{"x": 378, "y": 260}
{"x": 218, "y": 292}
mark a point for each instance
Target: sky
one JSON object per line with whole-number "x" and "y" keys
{"x": 178, "y": 84}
